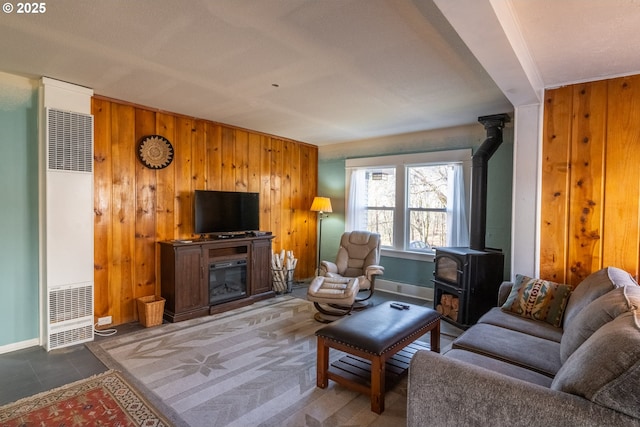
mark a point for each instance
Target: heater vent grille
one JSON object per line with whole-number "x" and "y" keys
{"x": 70, "y": 315}
{"x": 70, "y": 141}
{"x": 70, "y": 303}
{"x": 71, "y": 336}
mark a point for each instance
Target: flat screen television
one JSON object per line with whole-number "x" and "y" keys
{"x": 220, "y": 212}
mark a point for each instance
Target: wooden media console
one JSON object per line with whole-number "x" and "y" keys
{"x": 192, "y": 271}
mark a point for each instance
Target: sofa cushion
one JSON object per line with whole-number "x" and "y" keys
{"x": 510, "y": 346}
{"x": 538, "y": 299}
{"x": 598, "y": 312}
{"x": 593, "y": 286}
{"x": 495, "y": 365}
{"x": 606, "y": 368}
{"x": 496, "y": 316}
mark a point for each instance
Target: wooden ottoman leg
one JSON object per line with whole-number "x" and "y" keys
{"x": 435, "y": 337}
{"x": 377, "y": 384}
{"x": 322, "y": 366}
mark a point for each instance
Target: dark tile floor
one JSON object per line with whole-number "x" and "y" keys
{"x": 33, "y": 370}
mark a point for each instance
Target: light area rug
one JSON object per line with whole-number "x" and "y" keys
{"x": 102, "y": 400}
{"x": 254, "y": 366}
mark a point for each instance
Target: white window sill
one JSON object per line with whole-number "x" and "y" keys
{"x": 418, "y": 256}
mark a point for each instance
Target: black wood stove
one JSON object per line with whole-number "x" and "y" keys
{"x": 466, "y": 280}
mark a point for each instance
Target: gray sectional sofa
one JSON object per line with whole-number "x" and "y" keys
{"x": 510, "y": 369}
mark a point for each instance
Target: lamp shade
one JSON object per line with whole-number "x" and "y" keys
{"x": 321, "y": 204}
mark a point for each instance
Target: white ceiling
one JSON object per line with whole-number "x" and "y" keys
{"x": 581, "y": 40}
{"x": 344, "y": 69}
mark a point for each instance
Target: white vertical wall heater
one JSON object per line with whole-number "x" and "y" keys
{"x": 67, "y": 263}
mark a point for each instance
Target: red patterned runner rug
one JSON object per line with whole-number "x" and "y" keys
{"x": 102, "y": 400}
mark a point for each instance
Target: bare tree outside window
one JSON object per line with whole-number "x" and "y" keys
{"x": 381, "y": 203}
{"x": 427, "y": 207}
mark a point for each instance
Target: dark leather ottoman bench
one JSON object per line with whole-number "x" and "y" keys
{"x": 375, "y": 335}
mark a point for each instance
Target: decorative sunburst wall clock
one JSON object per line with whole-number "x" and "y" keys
{"x": 155, "y": 152}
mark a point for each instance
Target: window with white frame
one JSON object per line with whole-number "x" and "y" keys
{"x": 415, "y": 202}
{"x": 427, "y": 189}
{"x": 380, "y": 202}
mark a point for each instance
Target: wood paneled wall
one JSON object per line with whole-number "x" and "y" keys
{"x": 590, "y": 215}
{"x": 136, "y": 207}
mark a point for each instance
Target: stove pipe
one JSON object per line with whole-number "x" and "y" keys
{"x": 480, "y": 159}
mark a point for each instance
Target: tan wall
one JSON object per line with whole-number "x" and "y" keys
{"x": 591, "y": 179}
{"x": 135, "y": 207}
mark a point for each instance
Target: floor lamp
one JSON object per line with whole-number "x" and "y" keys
{"x": 320, "y": 205}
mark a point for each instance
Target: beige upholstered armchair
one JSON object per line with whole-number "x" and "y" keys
{"x": 358, "y": 256}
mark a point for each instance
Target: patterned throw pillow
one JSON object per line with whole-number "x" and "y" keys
{"x": 538, "y": 299}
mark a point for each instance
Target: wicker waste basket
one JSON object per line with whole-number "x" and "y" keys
{"x": 150, "y": 310}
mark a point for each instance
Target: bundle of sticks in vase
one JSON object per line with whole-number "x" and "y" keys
{"x": 283, "y": 266}
{"x": 449, "y": 306}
